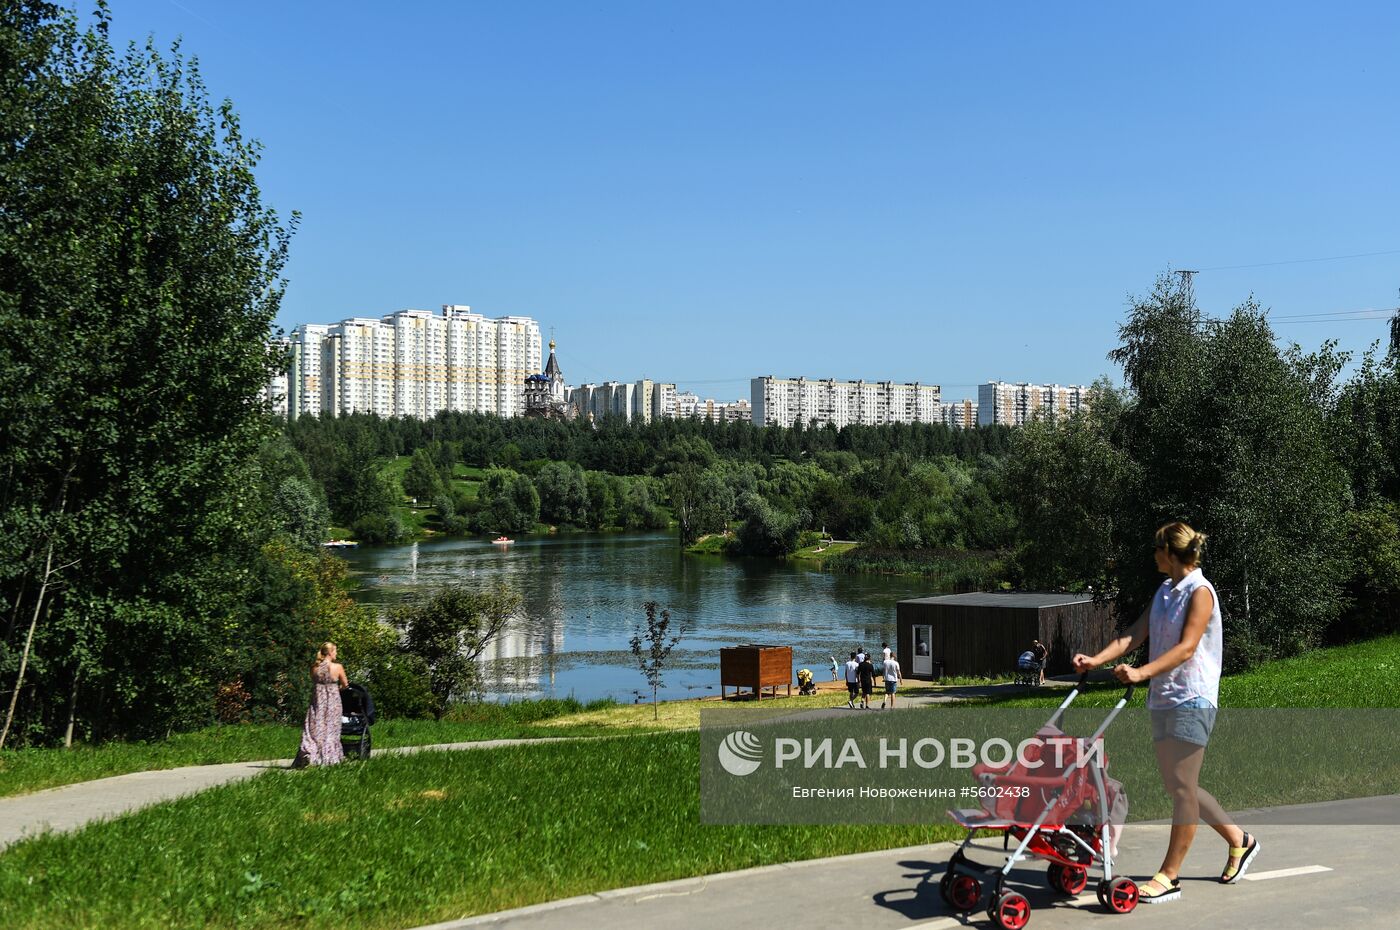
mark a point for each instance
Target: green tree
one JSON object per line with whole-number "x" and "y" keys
{"x": 300, "y": 512}
{"x": 509, "y": 503}
{"x": 701, "y": 501}
{"x": 563, "y": 494}
{"x": 1226, "y": 432}
{"x": 423, "y": 479}
{"x": 139, "y": 278}
{"x": 1068, "y": 485}
{"x": 652, "y": 659}
{"x": 449, "y": 630}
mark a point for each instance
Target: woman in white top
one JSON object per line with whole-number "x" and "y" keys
{"x": 1182, "y": 627}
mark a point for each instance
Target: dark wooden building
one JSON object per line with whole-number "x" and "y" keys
{"x": 983, "y": 633}
{"x": 755, "y": 667}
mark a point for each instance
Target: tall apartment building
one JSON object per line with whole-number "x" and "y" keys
{"x": 785, "y": 401}
{"x": 413, "y": 363}
{"x": 1008, "y": 404}
{"x": 637, "y": 401}
{"x": 960, "y": 414}
{"x": 275, "y": 393}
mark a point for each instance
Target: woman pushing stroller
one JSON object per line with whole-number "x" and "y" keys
{"x": 1182, "y": 628}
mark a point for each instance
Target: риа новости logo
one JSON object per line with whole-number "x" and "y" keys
{"x": 740, "y": 753}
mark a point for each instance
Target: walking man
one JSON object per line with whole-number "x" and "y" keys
{"x": 891, "y": 678}
{"x": 852, "y": 681}
{"x": 865, "y": 672}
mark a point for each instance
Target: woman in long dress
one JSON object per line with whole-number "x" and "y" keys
{"x": 320, "y": 736}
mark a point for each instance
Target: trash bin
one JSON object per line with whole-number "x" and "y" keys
{"x": 937, "y": 671}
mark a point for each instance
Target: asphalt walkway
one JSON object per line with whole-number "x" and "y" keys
{"x": 1305, "y": 876}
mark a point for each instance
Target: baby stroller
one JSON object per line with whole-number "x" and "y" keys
{"x": 805, "y": 684}
{"x": 1067, "y": 814}
{"x": 357, "y": 716}
{"x": 1028, "y": 669}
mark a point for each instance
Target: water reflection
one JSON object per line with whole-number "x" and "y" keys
{"x": 582, "y": 600}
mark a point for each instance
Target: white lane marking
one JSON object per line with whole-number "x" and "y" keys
{"x": 1283, "y": 873}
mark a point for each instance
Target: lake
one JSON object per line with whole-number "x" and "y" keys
{"x": 583, "y": 596}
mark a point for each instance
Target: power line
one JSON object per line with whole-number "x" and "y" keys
{"x": 1300, "y": 261}
{"x": 1340, "y": 316}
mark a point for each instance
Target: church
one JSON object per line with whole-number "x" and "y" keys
{"x": 545, "y": 395}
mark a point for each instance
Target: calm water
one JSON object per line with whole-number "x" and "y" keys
{"x": 583, "y": 600}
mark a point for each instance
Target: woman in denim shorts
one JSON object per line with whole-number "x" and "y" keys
{"x": 1182, "y": 629}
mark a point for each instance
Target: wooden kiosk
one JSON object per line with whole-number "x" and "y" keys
{"x": 755, "y": 667}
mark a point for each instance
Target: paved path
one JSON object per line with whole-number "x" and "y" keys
{"x": 1306, "y": 876}
{"x": 72, "y": 806}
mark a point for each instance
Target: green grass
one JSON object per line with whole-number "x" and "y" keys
{"x": 713, "y": 544}
{"x": 827, "y": 551}
{"x": 26, "y": 770}
{"x": 1356, "y": 675}
{"x": 406, "y": 841}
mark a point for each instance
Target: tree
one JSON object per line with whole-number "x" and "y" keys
{"x": 422, "y": 479}
{"x": 701, "y": 501}
{"x": 300, "y": 512}
{"x": 509, "y": 503}
{"x": 1068, "y": 483}
{"x": 139, "y": 278}
{"x": 767, "y": 530}
{"x": 563, "y": 494}
{"x": 659, "y": 643}
{"x": 1227, "y": 432}
{"x": 449, "y": 630}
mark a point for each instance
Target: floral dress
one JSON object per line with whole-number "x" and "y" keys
{"x": 320, "y": 737}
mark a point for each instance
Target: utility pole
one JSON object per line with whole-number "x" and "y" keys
{"x": 1187, "y": 285}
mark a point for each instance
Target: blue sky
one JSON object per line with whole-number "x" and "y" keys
{"x": 704, "y": 192}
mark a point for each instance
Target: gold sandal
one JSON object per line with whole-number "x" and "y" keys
{"x": 1245, "y": 855}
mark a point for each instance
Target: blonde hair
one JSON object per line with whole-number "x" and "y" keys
{"x": 322, "y": 655}
{"x": 1181, "y": 541}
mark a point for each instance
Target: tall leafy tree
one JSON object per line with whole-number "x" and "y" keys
{"x": 139, "y": 277}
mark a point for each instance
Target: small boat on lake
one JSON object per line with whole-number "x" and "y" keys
{"x": 341, "y": 544}
{"x": 502, "y": 541}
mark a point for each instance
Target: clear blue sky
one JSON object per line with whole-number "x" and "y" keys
{"x": 709, "y": 191}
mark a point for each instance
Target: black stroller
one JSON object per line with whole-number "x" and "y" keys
{"x": 357, "y": 716}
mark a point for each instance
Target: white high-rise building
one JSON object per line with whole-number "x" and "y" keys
{"x": 663, "y": 401}
{"x": 785, "y": 401}
{"x": 420, "y": 363}
{"x": 275, "y": 393}
{"x": 413, "y": 363}
{"x": 306, "y": 381}
{"x": 960, "y": 414}
{"x": 366, "y": 366}
{"x": 1008, "y": 404}
{"x": 687, "y": 404}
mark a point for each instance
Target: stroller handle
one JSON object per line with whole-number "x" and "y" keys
{"x": 1084, "y": 681}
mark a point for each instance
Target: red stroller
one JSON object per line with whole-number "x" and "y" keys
{"x": 1066, "y": 810}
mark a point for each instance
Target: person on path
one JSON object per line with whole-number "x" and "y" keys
{"x": 320, "y": 735}
{"x": 866, "y": 673}
{"x": 852, "y": 681}
{"x": 1182, "y": 626}
{"x": 1040, "y": 654}
{"x": 892, "y": 676}
{"x": 834, "y": 668}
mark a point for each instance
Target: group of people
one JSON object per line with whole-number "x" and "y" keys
{"x": 861, "y": 672}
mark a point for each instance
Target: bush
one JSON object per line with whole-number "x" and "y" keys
{"x": 376, "y": 529}
{"x": 399, "y": 686}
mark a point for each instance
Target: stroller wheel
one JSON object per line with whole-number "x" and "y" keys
{"x": 365, "y": 745}
{"x": 963, "y": 893}
{"x": 1069, "y": 879}
{"x": 1120, "y": 895}
{"x": 1011, "y": 911}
